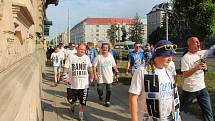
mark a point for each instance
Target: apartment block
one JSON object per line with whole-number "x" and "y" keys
{"x": 95, "y": 29}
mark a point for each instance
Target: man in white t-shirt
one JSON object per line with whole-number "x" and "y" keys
{"x": 194, "y": 84}
{"x": 56, "y": 60}
{"x": 78, "y": 74}
{"x": 103, "y": 72}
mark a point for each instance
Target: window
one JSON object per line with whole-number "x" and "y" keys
{"x": 97, "y": 34}
{"x": 97, "y": 30}
{"x": 97, "y": 25}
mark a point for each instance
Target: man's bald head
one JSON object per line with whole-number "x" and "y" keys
{"x": 193, "y": 44}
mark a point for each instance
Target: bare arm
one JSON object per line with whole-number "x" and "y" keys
{"x": 143, "y": 61}
{"x": 65, "y": 75}
{"x": 128, "y": 67}
{"x": 115, "y": 68}
{"x": 94, "y": 73}
{"x": 133, "y": 106}
{"x": 190, "y": 72}
{"x": 90, "y": 71}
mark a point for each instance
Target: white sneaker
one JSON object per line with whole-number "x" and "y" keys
{"x": 107, "y": 104}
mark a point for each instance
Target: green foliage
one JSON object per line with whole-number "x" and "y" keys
{"x": 198, "y": 15}
{"x": 157, "y": 35}
{"x": 124, "y": 34}
{"x": 136, "y": 30}
{"x": 111, "y": 33}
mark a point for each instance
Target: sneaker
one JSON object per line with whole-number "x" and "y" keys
{"x": 107, "y": 104}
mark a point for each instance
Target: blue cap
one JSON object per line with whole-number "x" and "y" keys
{"x": 163, "y": 52}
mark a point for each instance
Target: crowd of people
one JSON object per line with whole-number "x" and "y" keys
{"x": 153, "y": 93}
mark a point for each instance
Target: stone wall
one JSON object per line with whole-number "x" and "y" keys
{"x": 20, "y": 91}
{"x": 21, "y": 59}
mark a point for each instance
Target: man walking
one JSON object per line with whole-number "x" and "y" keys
{"x": 78, "y": 74}
{"x": 103, "y": 72}
{"x": 194, "y": 84}
{"x": 135, "y": 58}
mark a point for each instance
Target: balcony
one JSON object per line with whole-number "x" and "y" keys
{"x": 55, "y": 2}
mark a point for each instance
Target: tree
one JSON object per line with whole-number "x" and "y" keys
{"x": 111, "y": 33}
{"x": 51, "y": 42}
{"x": 137, "y": 30}
{"x": 194, "y": 17}
{"x": 124, "y": 34}
{"x": 158, "y": 34}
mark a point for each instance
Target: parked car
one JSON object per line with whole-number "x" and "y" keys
{"x": 124, "y": 48}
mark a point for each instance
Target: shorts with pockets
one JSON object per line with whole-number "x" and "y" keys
{"x": 80, "y": 94}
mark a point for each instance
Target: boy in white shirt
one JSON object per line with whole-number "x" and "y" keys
{"x": 56, "y": 60}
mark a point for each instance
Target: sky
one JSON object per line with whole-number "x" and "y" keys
{"x": 81, "y": 9}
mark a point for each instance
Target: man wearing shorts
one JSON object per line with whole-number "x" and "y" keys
{"x": 78, "y": 74}
{"x": 56, "y": 60}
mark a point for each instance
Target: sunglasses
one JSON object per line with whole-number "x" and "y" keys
{"x": 137, "y": 46}
{"x": 167, "y": 47}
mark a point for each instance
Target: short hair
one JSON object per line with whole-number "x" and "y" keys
{"x": 57, "y": 47}
{"x": 90, "y": 43}
{"x": 82, "y": 44}
{"x": 106, "y": 44}
{"x": 137, "y": 43}
{"x": 188, "y": 39}
{"x": 60, "y": 44}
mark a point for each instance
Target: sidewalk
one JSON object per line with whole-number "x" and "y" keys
{"x": 56, "y": 107}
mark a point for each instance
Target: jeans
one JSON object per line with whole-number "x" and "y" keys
{"x": 108, "y": 91}
{"x": 203, "y": 99}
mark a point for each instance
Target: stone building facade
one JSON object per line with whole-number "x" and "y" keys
{"x": 21, "y": 53}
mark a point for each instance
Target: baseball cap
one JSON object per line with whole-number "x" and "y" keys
{"x": 164, "y": 48}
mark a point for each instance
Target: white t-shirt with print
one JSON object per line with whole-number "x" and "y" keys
{"x": 104, "y": 68}
{"x": 78, "y": 71}
{"x": 166, "y": 98}
{"x": 56, "y": 59}
{"x": 195, "y": 82}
